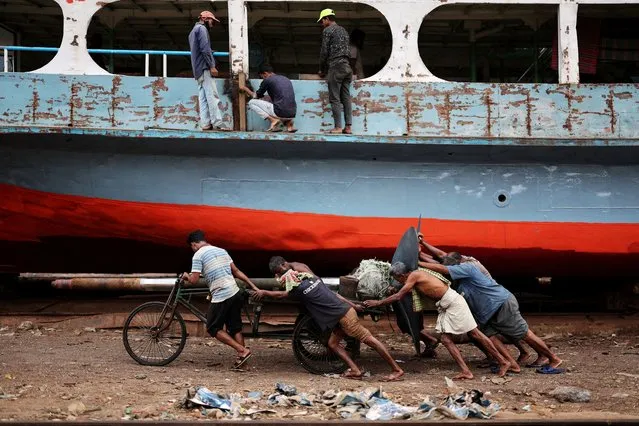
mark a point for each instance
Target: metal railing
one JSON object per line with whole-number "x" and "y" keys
{"x": 147, "y": 53}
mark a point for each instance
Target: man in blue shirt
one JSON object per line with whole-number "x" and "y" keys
{"x": 495, "y": 308}
{"x": 204, "y": 70}
{"x": 282, "y": 107}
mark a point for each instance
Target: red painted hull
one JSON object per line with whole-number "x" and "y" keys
{"x": 29, "y": 216}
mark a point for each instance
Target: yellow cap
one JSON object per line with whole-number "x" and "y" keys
{"x": 326, "y": 12}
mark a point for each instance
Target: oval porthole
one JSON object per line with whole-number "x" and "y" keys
{"x": 501, "y": 198}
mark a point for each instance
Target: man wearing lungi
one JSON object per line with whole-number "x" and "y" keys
{"x": 454, "y": 314}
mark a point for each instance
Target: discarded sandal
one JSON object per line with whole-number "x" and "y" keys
{"x": 547, "y": 369}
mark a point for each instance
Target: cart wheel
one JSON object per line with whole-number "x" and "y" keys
{"x": 311, "y": 350}
{"x": 151, "y": 339}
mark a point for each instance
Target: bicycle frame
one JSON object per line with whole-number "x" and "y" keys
{"x": 181, "y": 296}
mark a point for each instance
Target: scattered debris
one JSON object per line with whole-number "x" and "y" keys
{"x": 634, "y": 376}
{"x": 255, "y": 395}
{"x": 90, "y": 329}
{"x": 25, "y": 325}
{"x": 620, "y": 395}
{"x": 285, "y": 389}
{"x": 500, "y": 380}
{"x": 201, "y": 396}
{"x": 76, "y": 408}
{"x": 570, "y": 394}
{"x": 370, "y": 403}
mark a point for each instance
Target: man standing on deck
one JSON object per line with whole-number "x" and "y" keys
{"x": 282, "y": 109}
{"x": 334, "y": 63}
{"x": 218, "y": 270}
{"x": 204, "y": 70}
{"x": 329, "y": 310}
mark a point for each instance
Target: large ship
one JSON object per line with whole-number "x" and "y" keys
{"x": 510, "y": 128}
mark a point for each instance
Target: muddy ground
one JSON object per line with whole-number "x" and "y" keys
{"x": 45, "y": 373}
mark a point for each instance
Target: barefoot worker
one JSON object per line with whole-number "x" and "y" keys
{"x": 496, "y": 309}
{"x": 218, "y": 270}
{"x": 454, "y": 315}
{"x": 329, "y": 311}
{"x": 436, "y": 255}
{"x": 282, "y": 108}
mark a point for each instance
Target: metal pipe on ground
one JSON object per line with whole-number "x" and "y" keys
{"x": 155, "y": 284}
{"x": 38, "y": 276}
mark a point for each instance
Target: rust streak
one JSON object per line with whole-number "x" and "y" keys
{"x": 528, "y": 114}
{"x": 365, "y": 117}
{"x": 568, "y": 123}
{"x": 34, "y": 105}
{"x": 72, "y": 103}
{"x": 447, "y": 108}
{"x": 408, "y": 112}
{"x": 115, "y": 86}
{"x": 611, "y": 109}
{"x": 623, "y": 95}
{"x": 156, "y": 86}
{"x": 488, "y": 103}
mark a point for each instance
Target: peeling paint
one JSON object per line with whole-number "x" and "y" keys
{"x": 522, "y": 112}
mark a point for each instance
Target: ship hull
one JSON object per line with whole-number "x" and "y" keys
{"x": 82, "y": 201}
{"x": 44, "y": 231}
{"x": 69, "y": 207}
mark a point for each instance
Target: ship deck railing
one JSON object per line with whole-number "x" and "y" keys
{"x": 147, "y": 54}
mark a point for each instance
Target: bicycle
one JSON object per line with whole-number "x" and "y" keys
{"x": 155, "y": 332}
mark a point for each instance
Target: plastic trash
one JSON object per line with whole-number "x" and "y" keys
{"x": 285, "y": 389}
{"x": 206, "y": 398}
{"x": 255, "y": 395}
{"x": 301, "y": 399}
{"x": 383, "y": 409}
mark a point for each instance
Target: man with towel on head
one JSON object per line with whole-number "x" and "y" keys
{"x": 454, "y": 314}
{"x": 329, "y": 310}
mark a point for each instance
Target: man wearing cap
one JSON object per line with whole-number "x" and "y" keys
{"x": 204, "y": 70}
{"x": 334, "y": 63}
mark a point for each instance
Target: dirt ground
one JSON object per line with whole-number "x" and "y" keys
{"x": 45, "y": 373}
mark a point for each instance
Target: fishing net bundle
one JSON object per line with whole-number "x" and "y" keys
{"x": 373, "y": 279}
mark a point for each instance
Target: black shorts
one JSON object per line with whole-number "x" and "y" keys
{"x": 507, "y": 321}
{"x": 227, "y": 312}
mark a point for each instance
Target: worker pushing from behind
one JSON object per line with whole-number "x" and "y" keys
{"x": 329, "y": 311}
{"x": 454, "y": 317}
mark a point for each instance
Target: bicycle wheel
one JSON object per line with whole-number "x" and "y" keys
{"x": 311, "y": 350}
{"x": 151, "y": 339}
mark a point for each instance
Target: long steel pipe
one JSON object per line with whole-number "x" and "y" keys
{"x": 133, "y": 283}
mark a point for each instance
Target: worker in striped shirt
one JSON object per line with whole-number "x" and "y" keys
{"x": 224, "y": 316}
